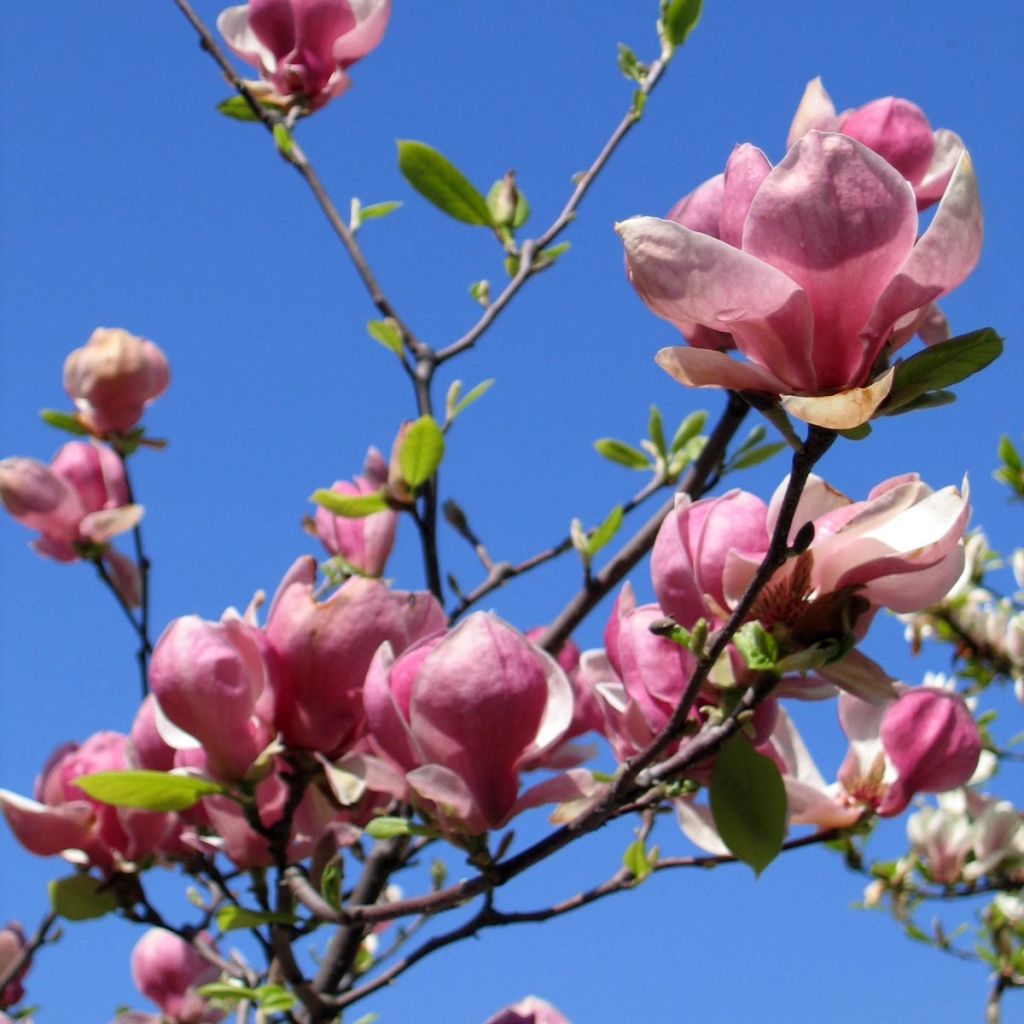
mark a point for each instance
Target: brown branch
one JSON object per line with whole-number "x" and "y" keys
{"x": 29, "y": 950}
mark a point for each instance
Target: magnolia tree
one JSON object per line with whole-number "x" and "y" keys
{"x": 345, "y": 778}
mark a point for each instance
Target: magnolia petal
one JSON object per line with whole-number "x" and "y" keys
{"x": 686, "y": 277}
{"x": 703, "y": 368}
{"x": 99, "y": 527}
{"x": 844, "y": 410}
{"x": 942, "y": 258}
{"x": 746, "y": 170}
{"x": 44, "y": 830}
{"x": 948, "y": 149}
{"x": 816, "y": 112}
{"x": 449, "y": 793}
{"x": 371, "y": 21}
{"x": 697, "y": 825}
{"x": 864, "y": 679}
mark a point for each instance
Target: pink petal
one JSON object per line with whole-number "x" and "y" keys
{"x": 839, "y": 222}
{"x": 746, "y": 170}
{"x": 816, "y": 112}
{"x": 948, "y": 149}
{"x": 371, "y": 21}
{"x": 942, "y": 258}
{"x": 273, "y": 23}
{"x": 686, "y": 277}
{"x": 896, "y": 130}
{"x": 701, "y": 209}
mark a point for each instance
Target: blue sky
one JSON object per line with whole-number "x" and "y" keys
{"x": 127, "y": 201}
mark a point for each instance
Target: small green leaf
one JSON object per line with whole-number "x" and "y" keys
{"x": 678, "y": 19}
{"x": 422, "y": 452}
{"x": 377, "y": 210}
{"x": 81, "y": 897}
{"x": 857, "y": 433}
{"x": 227, "y": 990}
{"x": 546, "y": 257}
{"x": 630, "y": 65}
{"x": 275, "y": 998}
{"x": 689, "y": 429}
{"x": 284, "y": 140}
{"x": 237, "y": 108}
{"x": 63, "y": 421}
{"x": 349, "y": 506}
{"x": 231, "y": 918}
{"x": 639, "y": 104}
{"x": 929, "y": 400}
{"x": 605, "y": 532}
{"x": 330, "y": 883}
{"x": 1008, "y": 454}
{"x": 656, "y": 431}
{"x": 748, "y": 803}
{"x": 390, "y": 828}
{"x": 759, "y": 648}
{"x": 636, "y": 861}
{"x": 147, "y": 790}
{"x": 941, "y": 366}
{"x": 622, "y": 454}
{"x": 755, "y": 456}
{"x": 440, "y": 182}
{"x": 368, "y": 1018}
{"x": 481, "y": 292}
{"x": 388, "y": 333}
{"x": 478, "y": 392}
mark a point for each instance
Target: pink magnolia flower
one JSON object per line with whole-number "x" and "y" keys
{"x": 80, "y": 499}
{"x": 365, "y": 543}
{"x": 113, "y": 378}
{"x": 926, "y": 741}
{"x": 895, "y": 129}
{"x": 303, "y": 48}
{"x": 462, "y": 714}
{"x": 168, "y": 970}
{"x": 901, "y": 548}
{"x": 530, "y": 1010}
{"x": 319, "y": 651}
{"x": 12, "y": 942}
{"x": 942, "y": 840}
{"x": 208, "y": 678}
{"x": 63, "y": 820}
{"x": 818, "y": 270}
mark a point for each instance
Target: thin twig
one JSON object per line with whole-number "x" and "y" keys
{"x": 143, "y": 563}
{"x": 28, "y": 951}
{"x": 530, "y": 249}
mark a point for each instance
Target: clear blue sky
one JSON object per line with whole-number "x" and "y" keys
{"x": 126, "y": 201}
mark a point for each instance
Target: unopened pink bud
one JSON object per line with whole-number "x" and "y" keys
{"x": 932, "y": 740}
{"x": 530, "y": 1010}
{"x": 168, "y": 970}
{"x": 12, "y": 942}
{"x": 113, "y": 378}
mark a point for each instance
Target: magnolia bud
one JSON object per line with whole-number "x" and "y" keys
{"x": 113, "y": 378}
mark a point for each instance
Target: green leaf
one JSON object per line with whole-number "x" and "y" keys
{"x": 284, "y": 140}
{"x": 546, "y": 257}
{"x": 422, "y": 452}
{"x": 391, "y": 828}
{"x": 63, "y": 421}
{"x": 605, "y": 532}
{"x": 237, "y": 108}
{"x": 481, "y": 292}
{"x": 689, "y": 429}
{"x": 275, "y": 998}
{"x": 330, "y": 883}
{"x": 929, "y": 400}
{"x": 349, "y": 506}
{"x": 636, "y": 861}
{"x": 622, "y": 454}
{"x": 520, "y": 214}
{"x": 678, "y": 19}
{"x": 81, "y": 897}
{"x": 639, "y": 104}
{"x": 227, "y": 990}
{"x": 478, "y": 392}
{"x": 857, "y": 433}
{"x": 147, "y": 790}
{"x": 440, "y": 182}
{"x": 759, "y": 648}
{"x": 377, "y": 210}
{"x": 630, "y": 65}
{"x": 748, "y": 803}
{"x": 656, "y": 431}
{"x": 1008, "y": 454}
{"x": 368, "y": 1018}
{"x": 388, "y": 333}
{"x": 231, "y": 918}
{"x": 941, "y": 366}
{"x": 755, "y": 456}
